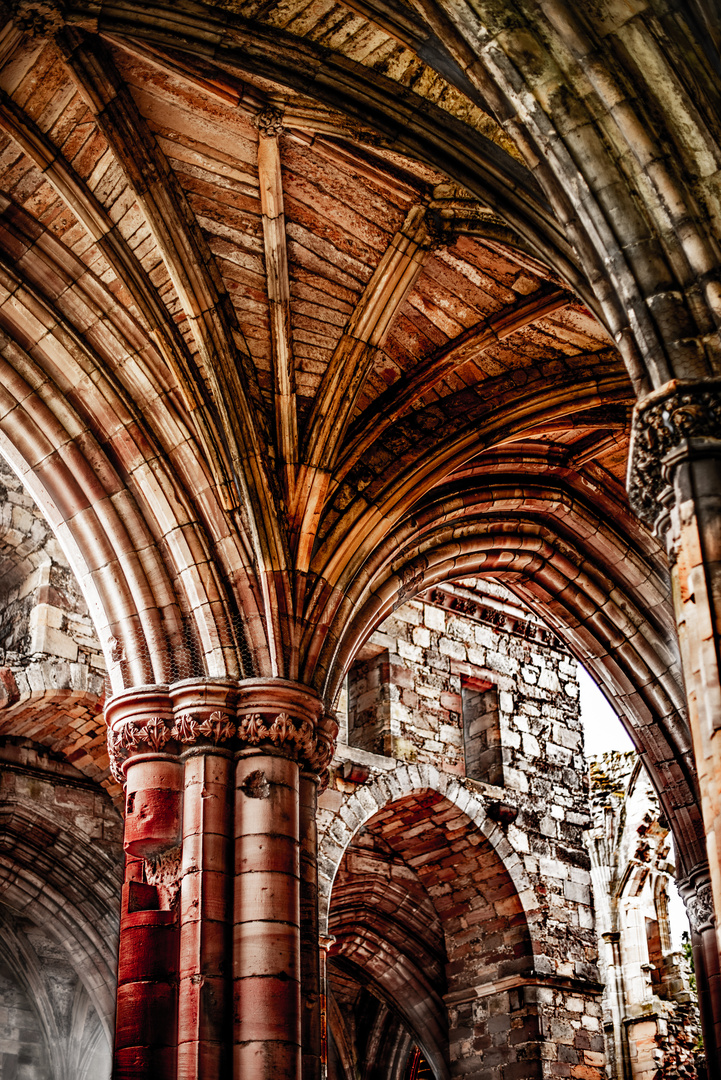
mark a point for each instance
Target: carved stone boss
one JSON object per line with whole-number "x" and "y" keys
{"x": 679, "y": 415}
{"x": 292, "y": 732}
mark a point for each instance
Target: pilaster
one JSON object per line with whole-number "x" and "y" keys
{"x": 696, "y": 892}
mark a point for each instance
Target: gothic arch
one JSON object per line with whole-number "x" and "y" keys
{"x": 491, "y": 921}
{"x": 306, "y": 339}
{"x": 44, "y": 873}
{"x": 399, "y": 784}
{"x": 607, "y": 600}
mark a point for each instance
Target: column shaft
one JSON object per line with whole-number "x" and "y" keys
{"x": 146, "y": 1028}
{"x": 309, "y": 949}
{"x": 266, "y": 946}
{"x": 695, "y": 545}
{"x": 210, "y": 949}
{"x": 205, "y": 916}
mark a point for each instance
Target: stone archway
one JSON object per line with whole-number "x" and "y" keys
{"x": 227, "y": 232}
{"x": 503, "y": 991}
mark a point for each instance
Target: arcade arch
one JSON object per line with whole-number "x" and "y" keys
{"x": 432, "y": 910}
{"x": 250, "y": 388}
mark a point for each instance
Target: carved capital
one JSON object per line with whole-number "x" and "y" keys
{"x": 697, "y": 895}
{"x": 668, "y": 421}
{"x": 270, "y": 714}
{"x": 700, "y": 910}
{"x": 139, "y": 722}
{"x": 281, "y": 716}
{"x": 268, "y": 122}
{"x": 215, "y": 727}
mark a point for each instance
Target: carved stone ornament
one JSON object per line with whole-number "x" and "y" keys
{"x": 700, "y": 909}
{"x": 36, "y": 18}
{"x": 132, "y": 736}
{"x": 311, "y": 745}
{"x": 218, "y": 727}
{"x": 269, "y": 122}
{"x": 686, "y": 411}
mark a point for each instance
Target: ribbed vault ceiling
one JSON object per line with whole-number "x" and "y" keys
{"x": 273, "y": 281}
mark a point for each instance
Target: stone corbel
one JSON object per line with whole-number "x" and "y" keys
{"x": 268, "y": 122}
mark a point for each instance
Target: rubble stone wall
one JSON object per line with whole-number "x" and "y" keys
{"x": 476, "y": 783}
{"x": 52, "y": 670}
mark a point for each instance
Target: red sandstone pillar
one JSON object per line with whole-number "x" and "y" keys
{"x": 205, "y": 916}
{"x": 309, "y": 951}
{"x": 146, "y": 1025}
{"x": 267, "y": 919}
{"x": 213, "y": 772}
{"x": 204, "y": 722}
{"x": 278, "y": 722}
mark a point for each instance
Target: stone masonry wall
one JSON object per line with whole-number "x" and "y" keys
{"x": 42, "y": 610}
{"x": 52, "y": 670}
{"x": 427, "y": 654}
{"x": 471, "y": 647}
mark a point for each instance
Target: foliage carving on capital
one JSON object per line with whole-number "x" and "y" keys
{"x": 296, "y": 736}
{"x": 312, "y": 745}
{"x": 186, "y": 729}
{"x": 132, "y": 736}
{"x": 156, "y": 733}
{"x": 688, "y": 412}
{"x": 217, "y": 727}
{"x": 700, "y": 909}
{"x": 283, "y": 730}
{"x": 252, "y": 729}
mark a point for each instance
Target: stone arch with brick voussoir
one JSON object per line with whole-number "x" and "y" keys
{"x": 235, "y": 382}
{"x": 451, "y": 931}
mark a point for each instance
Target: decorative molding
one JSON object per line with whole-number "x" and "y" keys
{"x": 667, "y": 420}
{"x": 514, "y": 982}
{"x": 36, "y": 18}
{"x": 483, "y": 611}
{"x": 312, "y": 745}
{"x": 217, "y": 727}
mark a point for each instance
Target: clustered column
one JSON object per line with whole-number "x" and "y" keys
{"x": 675, "y": 487}
{"x": 696, "y": 893}
{"x": 215, "y": 958}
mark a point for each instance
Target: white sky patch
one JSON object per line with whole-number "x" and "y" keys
{"x": 603, "y": 731}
